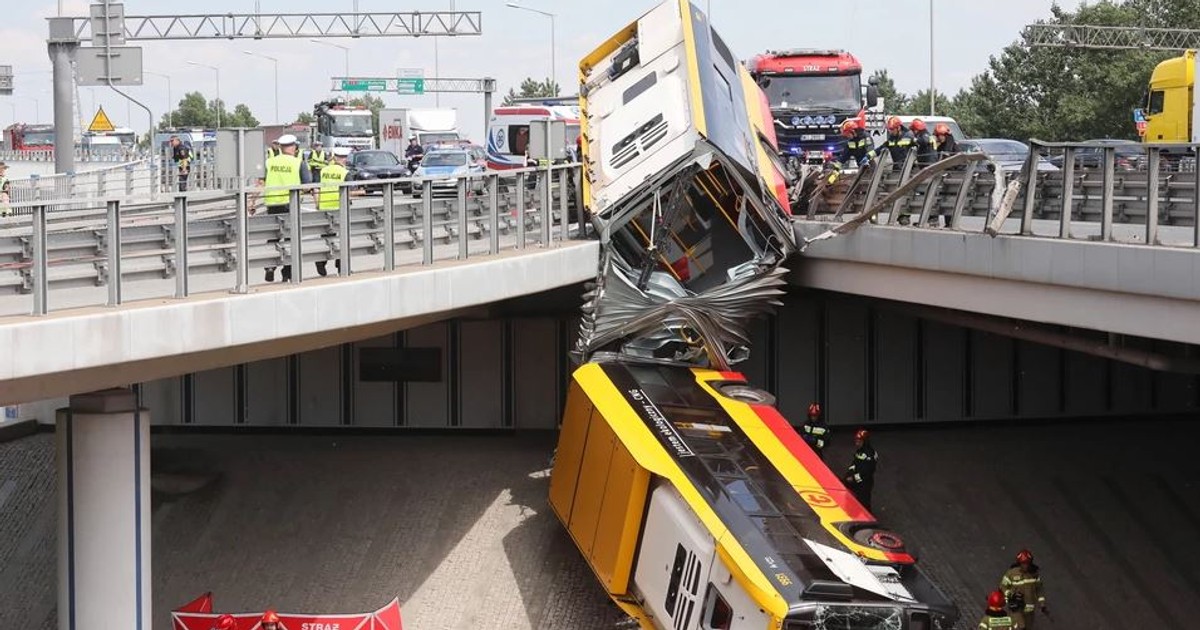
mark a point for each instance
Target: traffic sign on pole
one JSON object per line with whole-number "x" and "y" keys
{"x": 100, "y": 123}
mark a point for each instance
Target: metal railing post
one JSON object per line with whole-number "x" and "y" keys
{"x": 344, "y": 230}
{"x": 41, "y": 263}
{"x": 427, "y": 222}
{"x": 71, "y": 184}
{"x": 494, "y": 214}
{"x": 1068, "y": 193}
{"x": 243, "y": 242}
{"x": 1196, "y": 198}
{"x": 563, "y": 198}
{"x": 389, "y": 227}
{"x": 521, "y": 210}
{"x": 114, "y": 252}
{"x": 905, "y": 172}
{"x": 546, "y": 196}
{"x": 460, "y": 190}
{"x": 297, "y": 230}
{"x": 181, "y": 247}
{"x": 101, "y": 187}
{"x": 129, "y": 179}
{"x": 1030, "y": 184}
{"x": 1106, "y": 195}
{"x": 1152, "y": 180}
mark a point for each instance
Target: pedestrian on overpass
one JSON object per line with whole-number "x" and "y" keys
{"x": 860, "y": 477}
{"x": 283, "y": 170}
{"x": 814, "y": 431}
{"x": 995, "y": 617}
{"x": 181, "y": 153}
{"x": 318, "y": 158}
{"x": 1023, "y": 581}
{"x": 328, "y": 199}
{"x": 5, "y": 191}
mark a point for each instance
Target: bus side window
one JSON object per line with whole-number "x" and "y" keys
{"x": 717, "y": 613}
{"x": 1155, "y": 106}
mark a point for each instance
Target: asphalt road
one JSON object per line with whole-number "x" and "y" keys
{"x": 457, "y": 526}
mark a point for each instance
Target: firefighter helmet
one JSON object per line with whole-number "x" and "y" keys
{"x": 862, "y": 434}
{"x": 814, "y": 410}
{"x": 1024, "y": 556}
{"x": 849, "y": 126}
{"x": 225, "y": 622}
{"x": 942, "y": 129}
{"x": 917, "y": 125}
{"x": 270, "y": 616}
{"x": 995, "y": 601}
{"x": 894, "y": 124}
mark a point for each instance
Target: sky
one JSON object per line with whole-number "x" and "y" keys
{"x": 891, "y": 34}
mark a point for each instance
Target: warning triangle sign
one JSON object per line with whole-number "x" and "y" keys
{"x": 100, "y": 123}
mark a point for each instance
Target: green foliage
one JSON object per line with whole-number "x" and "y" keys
{"x": 196, "y": 111}
{"x": 532, "y": 88}
{"x": 305, "y": 118}
{"x": 894, "y": 100}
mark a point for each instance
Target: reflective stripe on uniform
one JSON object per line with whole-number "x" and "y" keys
{"x": 317, "y": 159}
{"x": 282, "y": 170}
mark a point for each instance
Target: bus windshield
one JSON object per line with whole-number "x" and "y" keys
{"x": 815, "y": 93}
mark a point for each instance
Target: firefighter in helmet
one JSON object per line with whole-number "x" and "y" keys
{"x": 270, "y": 621}
{"x": 858, "y": 150}
{"x": 924, "y": 142}
{"x": 899, "y": 141}
{"x": 946, "y": 144}
{"x": 814, "y": 431}
{"x": 860, "y": 476}
{"x": 1023, "y": 581}
{"x": 996, "y": 617}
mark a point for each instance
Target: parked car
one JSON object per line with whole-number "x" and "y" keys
{"x": 375, "y": 164}
{"x": 1009, "y": 154}
{"x": 444, "y": 167}
{"x": 1130, "y": 155}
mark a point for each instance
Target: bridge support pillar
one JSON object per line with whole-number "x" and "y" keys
{"x": 103, "y": 512}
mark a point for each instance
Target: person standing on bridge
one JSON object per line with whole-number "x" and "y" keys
{"x": 5, "y": 191}
{"x": 995, "y": 617}
{"x": 283, "y": 171}
{"x": 924, "y": 142}
{"x": 328, "y": 199}
{"x": 946, "y": 144}
{"x": 181, "y": 153}
{"x": 318, "y": 158}
{"x": 860, "y": 477}
{"x": 1023, "y": 581}
{"x": 898, "y": 143}
{"x": 814, "y": 431}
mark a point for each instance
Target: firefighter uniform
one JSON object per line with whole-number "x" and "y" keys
{"x": 946, "y": 146}
{"x": 999, "y": 620}
{"x": 898, "y": 144}
{"x": 860, "y": 477}
{"x": 858, "y": 151}
{"x": 283, "y": 170}
{"x": 815, "y": 432}
{"x": 1028, "y": 584}
{"x": 926, "y": 147}
{"x": 329, "y": 198}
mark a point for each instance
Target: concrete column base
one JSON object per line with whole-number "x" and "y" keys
{"x": 104, "y": 513}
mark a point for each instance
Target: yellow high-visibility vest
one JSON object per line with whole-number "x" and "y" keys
{"x": 282, "y": 170}
{"x": 331, "y": 176}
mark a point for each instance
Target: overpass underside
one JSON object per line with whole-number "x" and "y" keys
{"x": 866, "y": 360}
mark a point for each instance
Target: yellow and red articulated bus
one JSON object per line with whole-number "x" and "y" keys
{"x": 699, "y": 507}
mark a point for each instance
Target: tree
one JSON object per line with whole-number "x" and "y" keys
{"x": 532, "y": 88}
{"x": 196, "y": 111}
{"x": 305, "y": 118}
{"x": 918, "y": 105}
{"x": 893, "y": 99}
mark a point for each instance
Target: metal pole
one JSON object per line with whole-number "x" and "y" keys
{"x": 41, "y": 265}
{"x": 389, "y": 228}
{"x": 243, "y": 238}
{"x": 221, "y": 106}
{"x": 1106, "y": 195}
{"x": 563, "y": 220}
{"x": 932, "y": 93}
{"x": 493, "y": 214}
{"x": 60, "y": 56}
{"x": 276, "y": 62}
{"x": 181, "y": 247}
{"x": 521, "y": 210}
{"x": 297, "y": 249}
{"x": 461, "y": 198}
{"x": 553, "y": 63}
{"x": 114, "y": 253}
{"x": 1068, "y": 192}
{"x": 1152, "y": 195}
{"x": 427, "y": 221}
{"x": 344, "y": 230}
{"x": 489, "y": 85}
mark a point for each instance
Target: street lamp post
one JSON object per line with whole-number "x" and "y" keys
{"x": 217, "y": 70}
{"x": 170, "y": 104}
{"x": 276, "y": 63}
{"x": 345, "y": 50}
{"x": 932, "y": 94}
{"x": 553, "y": 68}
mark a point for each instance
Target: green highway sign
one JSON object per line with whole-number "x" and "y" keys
{"x": 364, "y": 85}
{"x": 410, "y": 85}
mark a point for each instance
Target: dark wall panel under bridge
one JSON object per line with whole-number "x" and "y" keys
{"x": 866, "y": 362}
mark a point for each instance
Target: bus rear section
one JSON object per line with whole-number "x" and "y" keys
{"x": 698, "y": 507}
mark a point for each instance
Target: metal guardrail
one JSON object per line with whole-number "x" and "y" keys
{"x": 110, "y": 245}
{"x": 81, "y": 155}
{"x": 127, "y": 180}
{"x": 1156, "y": 189}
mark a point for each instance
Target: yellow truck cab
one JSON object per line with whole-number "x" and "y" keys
{"x": 1171, "y": 106}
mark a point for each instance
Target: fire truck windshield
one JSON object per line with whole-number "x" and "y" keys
{"x": 352, "y": 125}
{"x": 815, "y": 92}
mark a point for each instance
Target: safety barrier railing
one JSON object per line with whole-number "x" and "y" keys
{"x": 1131, "y": 199}
{"x": 194, "y": 242}
{"x": 126, "y": 180}
{"x": 106, "y": 154}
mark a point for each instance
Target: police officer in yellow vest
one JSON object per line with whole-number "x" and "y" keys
{"x": 328, "y": 199}
{"x": 318, "y": 158}
{"x": 285, "y": 169}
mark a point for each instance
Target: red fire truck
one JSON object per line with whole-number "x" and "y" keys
{"x": 22, "y": 137}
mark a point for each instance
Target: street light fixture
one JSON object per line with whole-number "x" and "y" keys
{"x": 345, "y": 50}
{"x": 553, "y": 68}
{"x": 170, "y": 104}
{"x": 217, "y": 70}
{"x": 276, "y": 62}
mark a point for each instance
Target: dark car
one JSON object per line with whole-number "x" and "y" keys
{"x": 1130, "y": 156}
{"x": 375, "y": 164}
{"x": 1009, "y": 154}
